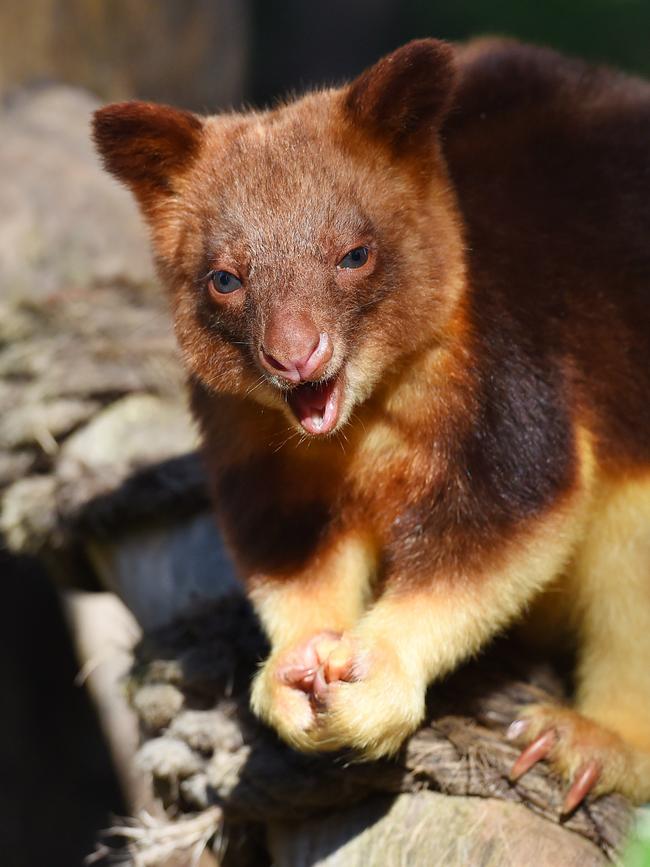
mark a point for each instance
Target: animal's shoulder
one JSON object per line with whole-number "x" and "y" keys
{"x": 502, "y": 76}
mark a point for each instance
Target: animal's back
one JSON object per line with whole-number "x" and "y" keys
{"x": 550, "y": 159}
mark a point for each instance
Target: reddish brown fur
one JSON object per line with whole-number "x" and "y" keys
{"x": 402, "y": 99}
{"x": 493, "y": 350}
{"x": 147, "y": 145}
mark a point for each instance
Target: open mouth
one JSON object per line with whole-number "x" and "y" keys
{"x": 316, "y": 405}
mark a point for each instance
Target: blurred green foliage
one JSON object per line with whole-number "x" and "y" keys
{"x": 637, "y": 853}
{"x": 610, "y": 31}
{"x": 296, "y": 44}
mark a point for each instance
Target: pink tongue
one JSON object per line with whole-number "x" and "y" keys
{"x": 314, "y": 407}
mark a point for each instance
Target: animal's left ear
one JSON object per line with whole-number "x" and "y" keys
{"x": 406, "y": 94}
{"x": 146, "y": 146}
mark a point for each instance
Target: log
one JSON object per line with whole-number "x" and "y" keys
{"x": 424, "y": 829}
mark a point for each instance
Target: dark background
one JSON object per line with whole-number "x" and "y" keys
{"x": 297, "y": 44}
{"x": 56, "y": 782}
{"x": 208, "y": 54}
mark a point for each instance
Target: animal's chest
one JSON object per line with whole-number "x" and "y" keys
{"x": 392, "y": 476}
{"x": 279, "y": 510}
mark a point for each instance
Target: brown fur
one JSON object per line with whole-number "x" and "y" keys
{"x": 493, "y": 354}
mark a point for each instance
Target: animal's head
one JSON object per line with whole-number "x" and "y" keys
{"x": 308, "y": 249}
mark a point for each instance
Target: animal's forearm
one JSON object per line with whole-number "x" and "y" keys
{"x": 436, "y": 627}
{"x": 329, "y": 594}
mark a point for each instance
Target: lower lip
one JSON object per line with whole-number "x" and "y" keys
{"x": 313, "y": 422}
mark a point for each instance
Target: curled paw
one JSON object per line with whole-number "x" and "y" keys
{"x": 335, "y": 692}
{"x": 365, "y": 699}
{"x": 590, "y": 758}
{"x": 288, "y": 690}
{"x": 340, "y": 663}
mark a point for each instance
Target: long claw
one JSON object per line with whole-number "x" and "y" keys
{"x": 585, "y": 779}
{"x": 534, "y": 752}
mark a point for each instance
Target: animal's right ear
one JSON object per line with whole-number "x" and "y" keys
{"x": 404, "y": 97}
{"x": 146, "y": 146}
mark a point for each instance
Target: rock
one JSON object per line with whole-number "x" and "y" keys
{"x": 16, "y": 323}
{"x": 91, "y": 389}
{"x": 43, "y": 424}
{"x": 64, "y": 222}
{"x": 99, "y": 343}
{"x": 82, "y": 320}
{"x": 39, "y": 512}
{"x": 133, "y": 432}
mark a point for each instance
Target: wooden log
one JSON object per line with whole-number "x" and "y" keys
{"x": 427, "y": 829}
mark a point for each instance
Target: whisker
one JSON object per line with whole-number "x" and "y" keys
{"x": 293, "y": 434}
{"x": 254, "y": 386}
{"x": 290, "y": 430}
{"x": 356, "y": 417}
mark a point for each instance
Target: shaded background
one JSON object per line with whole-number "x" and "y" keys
{"x": 57, "y": 784}
{"x": 208, "y": 54}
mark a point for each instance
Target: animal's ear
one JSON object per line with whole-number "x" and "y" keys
{"x": 406, "y": 94}
{"x": 146, "y": 145}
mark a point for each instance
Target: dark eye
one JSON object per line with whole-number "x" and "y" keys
{"x": 224, "y": 282}
{"x": 355, "y": 258}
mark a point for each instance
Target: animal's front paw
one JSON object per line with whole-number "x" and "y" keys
{"x": 283, "y": 692}
{"x": 591, "y": 758}
{"x": 333, "y": 692}
{"x": 365, "y": 699}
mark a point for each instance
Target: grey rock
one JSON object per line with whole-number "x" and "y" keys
{"x": 64, "y": 222}
{"x": 135, "y": 431}
{"x": 92, "y": 394}
{"x": 43, "y": 424}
